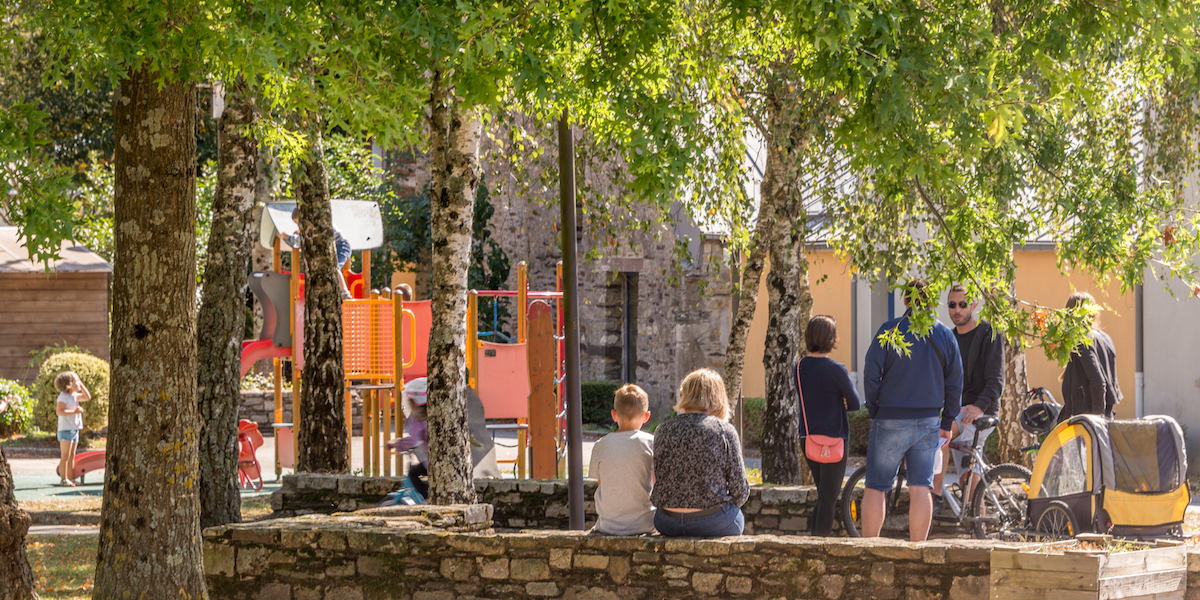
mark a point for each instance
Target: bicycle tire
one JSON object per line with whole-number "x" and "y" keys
{"x": 1010, "y": 507}
{"x": 1058, "y": 521}
{"x": 851, "y": 502}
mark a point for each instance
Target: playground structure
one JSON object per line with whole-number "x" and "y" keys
{"x": 386, "y": 343}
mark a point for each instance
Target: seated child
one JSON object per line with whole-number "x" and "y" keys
{"x": 341, "y": 246}
{"x": 70, "y": 421}
{"x": 623, "y": 463}
{"x": 417, "y": 440}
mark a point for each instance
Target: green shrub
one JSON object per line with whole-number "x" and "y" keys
{"x": 860, "y": 432}
{"x": 94, "y": 373}
{"x": 34, "y": 366}
{"x": 19, "y": 414}
{"x": 598, "y": 402}
{"x": 752, "y": 415}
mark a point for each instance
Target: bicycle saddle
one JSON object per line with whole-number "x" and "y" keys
{"x": 983, "y": 423}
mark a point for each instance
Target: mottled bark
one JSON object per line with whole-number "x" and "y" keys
{"x": 16, "y": 578}
{"x": 322, "y": 434}
{"x": 454, "y": 139}
{"x": 222, "y": 318}
{"x": 1016, "y": 384}
{"x": 150, "y": 521}
{"x": 790, "y": 301}
{"x": 739, "y": 331}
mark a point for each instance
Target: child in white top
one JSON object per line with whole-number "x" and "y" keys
{"x": 623, "y": 464}
{"x": 70, "y": 421}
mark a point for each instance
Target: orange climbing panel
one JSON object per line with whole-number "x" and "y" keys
{"x": 414, "y": 334}
{"x": 503, "y": 380}
{"x": 367, "y": 344}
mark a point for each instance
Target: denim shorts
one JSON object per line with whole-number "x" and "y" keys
{"x": 914, "y": 440}
{"x": 343, "y": 251}
{"x": 68, "y": 435}
{"x": 730, "y": 521}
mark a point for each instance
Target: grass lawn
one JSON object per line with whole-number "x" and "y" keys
{"x": 63, "y": 565}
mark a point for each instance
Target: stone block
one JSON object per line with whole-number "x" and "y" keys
{"x": 752, "y": 507}
{"x": 916, "y": 594}
{"x": 560, "y": 558}
{"x": 486, "y": 545}
{"x": 618, "y": 569}
{"x": 883, "y": 573}
{"x": 745, "y": 559}
{"x": 306, "y": 593}
{"x": 706, "y": 583}
{"x": 260, "y": 536}
{"x": 793, "y": 524}
{"x": 527, "y": 569}
{"x": 617, "y": 544}
{"x": 591, "y": 561}
{"x": 332, "y": 540}
{"x": 763, "y": 524}
{"x": 528, "y": 487}
{"x": 542, "y": 589}
{"x": 712, "y": 548}
{"x": 277, "y": 500}
{"x": 683, "y": 546}
{"x": 322, "y": 482}
{"x": 971, "y": 555}
{"x": 344, "y": 593}
{"x": 547, "y": 488}
{"x": 441, "y": 595}
{"x": 274, "y": 591}
{"x": 281, "y": 557}
{"x": 645, "y": 557}
{"x": 557, "y": 511}
{"x": 934, "y": 555}
{"x": 843, "y": 549}
{"x": 457, "y": 569}
{"x": 296, "y": 538}
{"x": 502, "y": 486}
{"x": 347, "y": 505}
{"x": 251, "y": 560}
{"x": 832, "y": 585}
{"x": 970, "y": 588}
{"x": 493, "y": 568}
{"x": 675, "y": 572}
{"x": 630, "y": 593}
{"x": 344, "y": 568}
{"x": 896, "y": 552}
{"x": 369, "y": 566}
{"x": 739, "y": 585}
{"x": 350, "y": 486}
{"x": 214, "y": 533}
{"x": 219, "y": 560}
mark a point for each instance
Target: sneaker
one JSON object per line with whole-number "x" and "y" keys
{"x": 346, "y": 295}
{"x": 938, "y": 503}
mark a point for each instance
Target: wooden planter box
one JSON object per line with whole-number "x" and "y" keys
{"x": 1158, "y": 571}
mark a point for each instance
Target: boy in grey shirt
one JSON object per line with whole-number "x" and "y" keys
{"x": 623, "y": 464}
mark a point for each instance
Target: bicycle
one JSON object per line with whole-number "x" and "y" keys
{"x": 997, "y": 503}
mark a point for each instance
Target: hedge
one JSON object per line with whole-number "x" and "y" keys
{"x": 94, "y": 373}
{"x": 19, "y": 412}
{"x": 860, "y": 426}
{"x": 597, "y": 397}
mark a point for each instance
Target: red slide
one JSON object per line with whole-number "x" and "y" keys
{"x": 258, "y": 350}
{"x": 86, "y": 462}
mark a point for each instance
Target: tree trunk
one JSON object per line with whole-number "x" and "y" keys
{"x": 150, "y": 525}
{"x": 322, "y": 435}
{"x": 790, "y": 302}
{"x": 735, "y": 350}
{"x": 222, "y": 318}
{"x": 16, "y": 578}
{"x": 455, "y": 137}
{"x": 1016, "y": 384}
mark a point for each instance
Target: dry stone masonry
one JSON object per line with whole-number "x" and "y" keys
{"x": 445, "y": 553}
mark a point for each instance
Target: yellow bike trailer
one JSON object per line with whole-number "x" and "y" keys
{"x": 1126, "y": 478}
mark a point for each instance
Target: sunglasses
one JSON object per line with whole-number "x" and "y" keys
{"x": 962, "y": 304}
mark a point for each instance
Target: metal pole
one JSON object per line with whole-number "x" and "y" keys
{"x": 1139, "y": 349}
{"x": 566, "y": 194}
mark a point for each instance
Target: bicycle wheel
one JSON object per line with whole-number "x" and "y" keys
{"x": 1000, "y": 501}
{"x": 1058, "y": 521}
{"x": 852, "y": 495}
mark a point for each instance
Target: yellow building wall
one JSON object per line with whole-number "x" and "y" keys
{"x": 1039, "y": 280}
{"x": 830, "y": 297}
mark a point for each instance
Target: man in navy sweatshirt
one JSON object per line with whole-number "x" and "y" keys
{"x": 912, "y": 401}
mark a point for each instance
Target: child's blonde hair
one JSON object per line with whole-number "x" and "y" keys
{"x": 631, "y": 401}
{"x": 62, "y": 380}
{"x": 703, "y": 390}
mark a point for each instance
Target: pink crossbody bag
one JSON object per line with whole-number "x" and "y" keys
{"x": 818, "y": 448}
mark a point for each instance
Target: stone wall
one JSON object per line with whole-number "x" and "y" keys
{"x": 543, "y": 503}
{"x": 259, "y": 406}
{"x": 372, "y": 555}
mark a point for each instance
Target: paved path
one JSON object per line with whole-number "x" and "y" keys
{"x": 35, "y": 479}
{"x": 64, "y": 530}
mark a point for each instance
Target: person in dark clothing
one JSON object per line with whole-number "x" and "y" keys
{"x": 826, "y": 395}
{"x": 1089, "y": 383}
{"x": 982, "y": 352}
